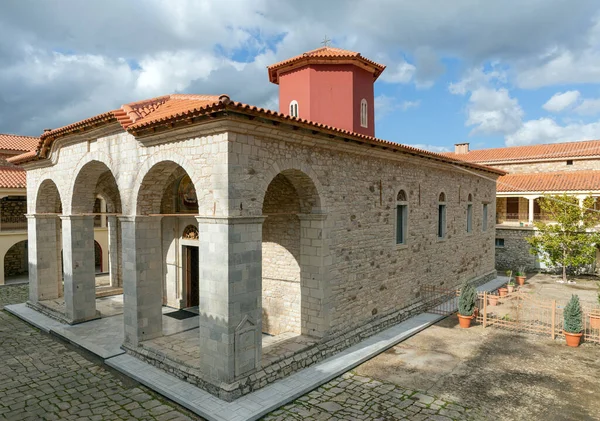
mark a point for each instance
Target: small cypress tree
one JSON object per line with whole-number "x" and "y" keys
{"x": 572, "y": 315}
{"x": 466, "y": 301}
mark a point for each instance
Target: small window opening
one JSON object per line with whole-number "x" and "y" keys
{"x": 499, "y": 242}
{"x": 294, "y": 108}
{"x": 569, "y": 162}
{"x": 401, "y": 217}
{"x": 364, "y": 116}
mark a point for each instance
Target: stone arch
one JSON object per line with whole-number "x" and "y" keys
{"x": 48, "y": 199}
{"x": 303, "y": 178}
{"x": 289, "y": 256}
{"x": 14, "y": 258}
{"x": 94, "y": 167}
{"x": 168, "y": 163}
{"x": 94, "y": 178}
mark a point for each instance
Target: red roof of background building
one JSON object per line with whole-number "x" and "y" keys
{"x": 560, "y": 181}
{"x": 13, "y": 142}
{"x": 532, "y": 152}
{"x": 324, "y": 55}
{"x": 12, "y": 178}
{"x": 142, "y": 116}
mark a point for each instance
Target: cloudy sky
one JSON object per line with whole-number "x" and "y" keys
{"x": 493, "y": 73}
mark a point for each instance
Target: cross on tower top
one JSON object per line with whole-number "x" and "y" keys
{"x": 326, "y": 41}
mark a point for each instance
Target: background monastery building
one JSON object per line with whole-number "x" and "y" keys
{"x": 535, "y": 170}
{"x": 295, "y": 228}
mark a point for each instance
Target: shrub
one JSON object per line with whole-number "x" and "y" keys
{"x": 572, "y": 315}
{"x": 466, "y": 301}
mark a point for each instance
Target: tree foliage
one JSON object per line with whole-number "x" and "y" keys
{"x": 572, "y": 315}
{"x": 467, "y": 299}
{"x": 569, "y": 238}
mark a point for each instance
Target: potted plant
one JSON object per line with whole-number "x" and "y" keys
{"x": 466, "y": 304}
{"x": 595, "y": 317}
{"x": 493, "y": 299}
{"x": 503, "y": 291}
{"x": 510, "y": 286}
{"x": 520, "y": 275}
{"x": 572, "y": 327}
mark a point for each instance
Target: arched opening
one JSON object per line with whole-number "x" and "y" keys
{"x": 287, "y": 300}
{"x": 45, "y": 243}
{"x": 16, "y": 263}
{"x": 97, "y": 257}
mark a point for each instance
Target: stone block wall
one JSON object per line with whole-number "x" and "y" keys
{"x": 15, "y": 260}
{"x": 550, "y": 166}
{"x": 515, "y": 251}
{"x": 13, "y": 210}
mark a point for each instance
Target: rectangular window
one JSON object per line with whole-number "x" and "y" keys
{"x": 484, "y": 222}
{"x": 469, "y": 217}
{"x": 499, "y": 242}
{"x": 441, "y": 221}
{"x": 401, "y": 223}
{"x": 569, "y": 162}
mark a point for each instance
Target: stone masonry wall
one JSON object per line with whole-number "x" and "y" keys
{"x": 515, "y": 252}
{"x": 15, "y": 259}
{"x": 281, "y": 254}
{"x": 13, "y": 210}
{"x": 551, "y": 166}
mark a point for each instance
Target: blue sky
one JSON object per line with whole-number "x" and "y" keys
{"x": 491, "y": 73}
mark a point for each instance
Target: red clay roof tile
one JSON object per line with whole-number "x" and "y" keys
{"x": 531, "y": 152}
{"x": 323, "y": 54}
{"x": 12, "y": 178}
{"x": 550, "y": 182}
{"x": 15, "y": 142}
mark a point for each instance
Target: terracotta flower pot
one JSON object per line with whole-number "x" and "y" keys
{"x": 503, "y": 292}
{"x": 573, "y": 339}
{"x": 520, "y": 280}
{"x": 493, "y": 300}
{"x": 510, "y": 288}
{"x": 464, "y": 321}
{"x": 595, "y": 321}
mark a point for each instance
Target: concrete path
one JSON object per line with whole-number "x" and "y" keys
{"x": 261, "y": 402}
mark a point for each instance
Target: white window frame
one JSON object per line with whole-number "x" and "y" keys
{"x": 294, "y": 109}
{"x": 401, "y": 213}
{"x": 364, "y": 113}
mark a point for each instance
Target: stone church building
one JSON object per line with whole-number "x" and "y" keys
{"x": 298, "y": 222}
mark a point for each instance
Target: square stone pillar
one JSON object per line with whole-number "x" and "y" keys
{"x": 114, "y": 252}
{"x": 230, "y": 255}
{"x": 79, "y": 267}
{"x": 142, "y": 277}
{"x": 45, "y": 272}
{"x": 315, "y": 261}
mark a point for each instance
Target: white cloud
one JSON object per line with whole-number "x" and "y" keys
{"x": 431, "y": 148}
{"x": 493, "y": 111}
{"x": 588, "y": 107}
{"x": 401, "y": 72}
{"x": 476, "y": 78}
{"x": 407, "y": 105}
{"x": 385, "y": 105}
{"x": 561, "y": 101}
{"x": 546, "y": 130}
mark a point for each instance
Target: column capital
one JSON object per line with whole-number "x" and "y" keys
{"x": 75, "y": 217}
{"x": 41, "y": 216}
{"x": 230, "y": 220}
{"x": 137, "y": 218}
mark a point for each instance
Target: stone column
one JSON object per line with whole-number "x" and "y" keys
{"x": 79, "y": 267}
{"x": 44, "y": 257}
{"x": 315, "y": 261}
{"x": 114, "y": 252}
{"x": 230, "y": 251}
{"x": 530, "y": 213}
{"x": 142, "y": 278}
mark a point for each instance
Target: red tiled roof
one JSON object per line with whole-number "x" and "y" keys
{"x": 15, "y": 142}
{"x": 140, "y": 117}
{"x": 532, "y": 152}
{"x": 550, "y": 182}
{"x": 12, "y": 178}
{"x": 324, "y": 55}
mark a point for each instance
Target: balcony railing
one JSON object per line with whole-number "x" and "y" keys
{"x": 14, "y": 223}
{"x": 519, "y": 218}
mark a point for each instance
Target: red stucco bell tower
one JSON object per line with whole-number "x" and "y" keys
{"x": 329, "y": 86}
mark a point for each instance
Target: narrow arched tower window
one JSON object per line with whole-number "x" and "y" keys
{"x": 364, "y": 113}
{"x": 294, "y": 108}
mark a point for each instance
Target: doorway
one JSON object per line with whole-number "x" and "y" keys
{"x": 192, "y": 270}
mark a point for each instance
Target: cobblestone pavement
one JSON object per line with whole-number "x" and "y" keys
{"x": 42, "y": 378}
{"x": 353, "y": 397}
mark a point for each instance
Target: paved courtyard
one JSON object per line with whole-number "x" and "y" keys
{"x": 443, "y": 373}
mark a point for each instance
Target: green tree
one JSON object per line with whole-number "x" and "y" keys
{"x": 569, "y": 238}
